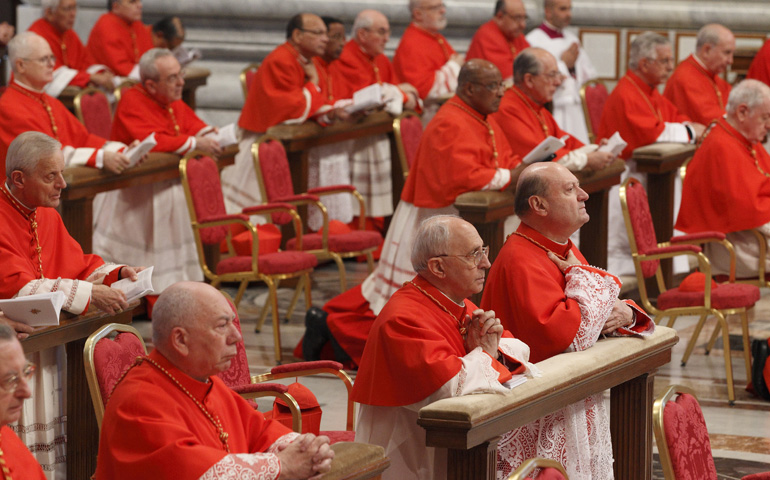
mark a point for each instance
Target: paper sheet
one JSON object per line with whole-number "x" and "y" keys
{"x": 544, "y": 150}
{"x": 133, "y": 290}
{"x": 366, "y": 98}
{"x": 615, "y": 144}
{"x": 143, "y": 148}
{"x": 38, "y": 310}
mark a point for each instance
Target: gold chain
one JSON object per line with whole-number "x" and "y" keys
{"x": 486, "y": 124}
{"x": 460, "y": 327}
{"x": 711, "y": 79}
{"x": 32, "y": 219}
{"x": 167, "y": 108}
{"x": 540, "y": 119}
{"x": 649, "y": 103}
{"x": 3, "y": 466}
{"x": 751, "y": 149}
{"x": 46, "y": 106}
{"x": 562, "y": 257}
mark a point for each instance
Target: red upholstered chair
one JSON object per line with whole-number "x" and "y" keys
{"x": 247, "y": 75}
{"x": 211, "y": 225}
{"x": 549, "y": 470}
{"x": 239, "y": 378}
{"x": 726, "y": 299}
{"x": 127, "y": 83}
{"x": 107, "y": 359}
{"x": 272, "y": 167}
{"x": 407, "y": 128}
{"x": 93, "y": 110}
{"x": 593, "y": 95}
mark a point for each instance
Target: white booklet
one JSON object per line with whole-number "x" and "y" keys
{"x": 515, "y": 381}
{"x": 614, "y": 145}
{"x": 366, "y": 98}
{"x": 228, "y": 135}
{"x": 133, "y": 290}
{"x": 37, "y": 310}
{"x": 544, "y": 150}
{"x": 143, "y": 148}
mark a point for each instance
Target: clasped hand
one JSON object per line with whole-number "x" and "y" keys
{"x": 483, "y": 330}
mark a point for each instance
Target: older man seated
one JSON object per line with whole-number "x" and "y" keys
{"x": 15, "y": 377}
{"x": 429, "y": 343}
{"x": 732, "y": 196}
{"x": 171, "y": 417}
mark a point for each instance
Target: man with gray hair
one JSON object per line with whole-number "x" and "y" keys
{"x": 74, "y": 64}
{"x": 26, "y": 106}
{"x": 727, "y": 188}
{"x": 40, "y": 256}
{"x": 119, "y": 38}
{"x": 171, "y": 416}
{"x": 696, "y": 86}
{"x": 429, "y": 342}
{"x": 642, "y": 116}
{"x": 149, "y": 224}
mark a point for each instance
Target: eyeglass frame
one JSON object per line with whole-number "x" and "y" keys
{"x": 46, "y": 60}
{"x": 476, "y": 257}
{"x": 11, "y": 383}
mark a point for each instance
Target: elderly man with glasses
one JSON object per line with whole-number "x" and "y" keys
{"x": 546, "y": 295}
{"x": 15, "y": 377}
{"x": 429, "y": 343}
{"x": 527, "y": 122}
{"x": 502, "y": 38}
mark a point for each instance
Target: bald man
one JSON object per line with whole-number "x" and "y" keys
{"x": 696, "y": 87}
{"x": 502, "y": 38}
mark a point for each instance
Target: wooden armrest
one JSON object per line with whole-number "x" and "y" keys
{"x": 357, "y": 461}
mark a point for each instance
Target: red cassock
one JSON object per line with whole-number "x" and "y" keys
{"x": 24, "y": 110}
{"x": 490, "y": 43}
{"x": 414, "y": 338}
{"x": 18, "y": 460}
{"x": 526, "y": 124}
{"x": 696, "y": 92}
{"x": 152, "y": 429}
{"x": 419, "y": 54}
{"x": 280, "y": 91}
{"x": 355, "y": 69}
{"x": 139, "y": 115}
{"x": 118, "y": 44}
{"x": 724, "y": 190}
{"x": 61, "y": 256}
{"x": 760, "y": 66}
{"x": 638, "y": 112}
{"x": 67, "y": 48}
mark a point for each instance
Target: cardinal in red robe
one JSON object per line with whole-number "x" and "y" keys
{"x": 119, "y": 38}
{"x": 502, "y": 38}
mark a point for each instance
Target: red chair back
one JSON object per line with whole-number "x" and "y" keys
{"x": 688, "y": 439}
{"x": 641, "y": 223}
{"x": 410, "y": 132}
{"x": 95, "y": 113}
{"x": 113, "y": 357}
{"x": 275, "y": 173}
{"x": 206, "y": 192}
{"x": 595, "y": 96}
{"x": 250, "y": 74}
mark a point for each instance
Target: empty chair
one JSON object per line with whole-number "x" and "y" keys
{"x": 92, "y": 107}
{"x": 593, "y": 95}
{"x": 247, "y": 76}
{"x": 407, "y": 128}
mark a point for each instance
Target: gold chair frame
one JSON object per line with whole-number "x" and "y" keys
{"x": 658, "y": 427}
{"x": 400, "y": 140}
{"x": 87, "y": 91}
{"x": 323, "y": 253}
{"x": 246, "y": 277}
{"x": 127, "y": 83}
{"x": 703, "y": 311}
{"x": 242, "y": 76}
{"x": 584, "y": 102}
{"x": 528, "y": 466}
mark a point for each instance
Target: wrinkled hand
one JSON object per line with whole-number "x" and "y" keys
{"x": 130, "y": 272}
{"x": 622, "y": 316}
{"x": 311, "y": 74}
{"x": 108, "y": 299}
{"x": 564, "y": 264}
{"x": 207, "y": 145}
{"x": 570, "y": 55}
{"x": 308, "y": 456}
{"x": 104, "y": 80}
{"x": 411, "y": 94}
{"x": 115, "y": 162}
{"x": 698, "y": 129}
{"x": 6, "y": 32}
{"x": 598, "y": 160}
{"x": 483, "y": 330}
{"x": 22, "y": 329}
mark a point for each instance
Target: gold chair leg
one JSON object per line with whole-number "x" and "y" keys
{"x": 262, "y": 316}
{"x": 746, "y": 345}
{"x": 370, "y": 261}
{"x": 341, "y": 267}
{"x": 693, "y": 339}
{"x": 728, "y": 358}
{"x": 241, "y": 290}
{"x": 295, "y": 297}
{"x": 671, "y": 321}
{"x": 273, "y": 299}
{"x": 713, "y": 339}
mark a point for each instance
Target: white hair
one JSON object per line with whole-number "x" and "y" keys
{"x": 27, "y": 149}
{"x": 147, "y": 68}
{"x": 645, "y": 45}
{"x": 430, "y": 240}
{"x": 362, "y": 21}
{"x": 21, "y": 46}
{"x": 751, "y": 93}
{"x": 52, "y": 4}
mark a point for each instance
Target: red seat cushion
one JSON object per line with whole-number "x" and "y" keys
{"x": 728, "y": 295}
{"x": 341, "y": 243}
{"x": 113, "y": 357}
{"x": 688, "y": 440}
{"x": 270, "y": 264}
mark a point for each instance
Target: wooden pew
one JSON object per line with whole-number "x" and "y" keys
{"x": 82, "y": 430}
{"x": 470, "y": 426}
{"x": 83, "y": 183}
{"x": 661, "y": 162}
{"x": 357, "y": 461}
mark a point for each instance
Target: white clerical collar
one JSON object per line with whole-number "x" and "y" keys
{"x": 552, "y": 27}
{"x": 447, "y": 296}
{"x": 24, "y": 85}
{"x": 8, "y": 189}
{"x": 695, "y": 56}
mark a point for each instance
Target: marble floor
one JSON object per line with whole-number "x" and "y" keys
{"x": 740, "y": 435}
